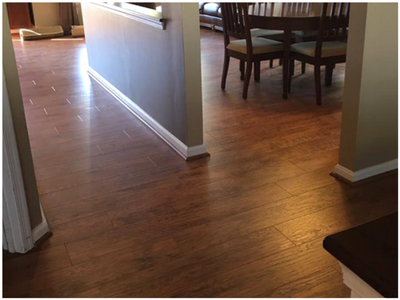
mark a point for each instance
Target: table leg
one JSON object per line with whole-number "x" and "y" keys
{"x": 286, "y": 59}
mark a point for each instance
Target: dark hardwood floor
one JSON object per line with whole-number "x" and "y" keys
{"x": 132, "y": 219}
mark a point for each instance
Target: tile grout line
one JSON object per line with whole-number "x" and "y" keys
{"x": 66, "y": 251}
{"x": 148, "y": 157}
{"x": 97, "y": 146}
{"x": 109, "y": 219}
{"x": 126, "y": 134}
{"x": 285, "y": 236}
{"x": 55, "y": 128}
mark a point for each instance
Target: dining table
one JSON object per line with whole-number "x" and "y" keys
{"x": 288, "y": 23}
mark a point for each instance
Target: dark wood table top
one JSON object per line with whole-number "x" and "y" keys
{"x": 292, "y": 22}
{"x": 371, "y": 252}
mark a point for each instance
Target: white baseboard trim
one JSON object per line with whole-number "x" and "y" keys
{"x": 183, "y": 150}
{"x": 40, "y": 230}
{"x": 359, "y": 288}
{"x": 365, "y": 173}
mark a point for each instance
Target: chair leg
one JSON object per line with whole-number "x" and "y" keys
{"x": 225, "y": 71}
{"x": 257, "y": 70}
{"x": 328, "y": 74}
{"x": 317, "y": 75}
{"x": 303, "y": 67}
{"x": 271, "y": 63}
{"x": 247, "y": 79}
{"x": 242, "y": 66}
{"x": 291, "y": 67}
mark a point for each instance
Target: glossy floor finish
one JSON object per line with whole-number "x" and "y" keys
{"x": 131, "y": 219}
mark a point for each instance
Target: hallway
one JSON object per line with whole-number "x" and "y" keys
{"x": 130, "y": 218}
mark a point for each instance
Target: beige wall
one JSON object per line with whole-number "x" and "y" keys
{"x": 21, "y": 132}
{"x": 193, "y": 92}
{"x": 159, "y": 70}
{"x": 370, "y": 108}
{"x": 45, "y": 14}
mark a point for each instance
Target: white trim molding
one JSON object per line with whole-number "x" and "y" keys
{"x": 183, "y": 150}
{"x": 359, "y": 288}
{"x": 40, "y": 230}
{"x": 16, "y": 223}
{"x": 365, "y": 173}
{"x": 135, "y": 12}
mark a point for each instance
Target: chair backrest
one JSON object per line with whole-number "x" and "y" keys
{"x": 235, "y": 19}
{"x": 333, "y": 25}
{"x": 295, "y": 8}
{"x": 263, "y": 9}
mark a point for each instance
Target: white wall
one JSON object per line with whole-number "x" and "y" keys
{"x": 45, "y": 14}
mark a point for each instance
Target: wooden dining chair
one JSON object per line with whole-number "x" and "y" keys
{"x": 295, "y": 8}
{"x": 243, "y": 46}
{"x": 330, "y": 47}
{"x": 265, "y": 9}
{"x": 299, "y": 9}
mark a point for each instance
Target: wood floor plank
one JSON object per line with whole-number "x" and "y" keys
{"x": 144, "y": 229}
{"x": 214, "y": 260}
{"x": 324, "y": 160}
{"x": 74, "y": 279}
{"x": 94, "y": 174}
{"x": 190, "y": 209}
{"x": 35, "y": 264}
{"x": 97, "y": 188}
{"x": 302, "y": 183}
{"x": 362, "y": 208}
{"x": 78, "y": 229}
{"x": 52, "y": 172}
{"x": 265, "y": 274}
{"x": 199, "y": 237}
{"x": 322, "y": 284}
{"x": 145, "y": 196}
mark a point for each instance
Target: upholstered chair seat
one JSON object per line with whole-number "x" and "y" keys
{"x": 260, "y": 45}
{"x": 305, "y": 36}
{"x": 241, "y": 45}
{"x": 329, "y": 49}
{"x": 258, "y": 32}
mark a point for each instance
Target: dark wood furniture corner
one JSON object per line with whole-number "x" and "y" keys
{"x": 370, "y": 251}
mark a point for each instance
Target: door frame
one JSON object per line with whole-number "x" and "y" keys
{"x": 17, "y": 233}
